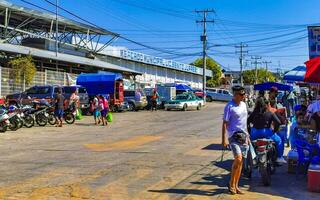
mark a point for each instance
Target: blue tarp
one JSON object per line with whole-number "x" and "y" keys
{"x": 183, "y": 87}
{"x": 296, "y": 74}
{"x": 99, "y": 83}
{"x": 269, "y": 85}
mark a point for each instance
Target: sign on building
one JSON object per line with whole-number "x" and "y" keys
{"x": 140, "y": 57}
{"x": 314, "y": 41}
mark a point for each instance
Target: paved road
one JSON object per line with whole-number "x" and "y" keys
{"x": 141, "y": 155}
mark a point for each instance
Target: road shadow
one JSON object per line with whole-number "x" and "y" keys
{"x": 84, "y": 124}
{"x": 215, "y": 147}
{"x": 218, "y": 182}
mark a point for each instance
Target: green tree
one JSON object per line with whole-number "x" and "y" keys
{"x": 214, "y": 67}
{"x": 263, "y": 76}
{"x": 23, "y": 69}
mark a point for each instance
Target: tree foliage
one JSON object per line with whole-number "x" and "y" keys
{"x": 263, "y": 76}
{"x": 23, "y": 69}
{"x": 214, "y": 67}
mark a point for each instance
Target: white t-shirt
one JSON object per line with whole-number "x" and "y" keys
{"x": 236, "y": 116}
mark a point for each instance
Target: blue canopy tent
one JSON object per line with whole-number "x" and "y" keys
{"x": 183, "y": 87}
{"x": 99, "y": 83}
{"x": 269, "y": 85}
{"x": 295, "y": 75}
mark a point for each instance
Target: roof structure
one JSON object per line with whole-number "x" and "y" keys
{"x": 40, "y": 53}
{"x": 17, "y": 23}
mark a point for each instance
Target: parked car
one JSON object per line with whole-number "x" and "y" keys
{"x": 184, "y": 102}
{"x": 199, "y": 93}
{"x": 218, "y": 95}
{"x": 46, "y": 92}
{"x": 82, "y": 92}
{"x": 135, "y": 101}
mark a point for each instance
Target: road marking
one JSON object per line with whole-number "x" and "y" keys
{"x": 157, "y": 191}
{"x": 124, "y": 144}
{"x": 118, "y": 190}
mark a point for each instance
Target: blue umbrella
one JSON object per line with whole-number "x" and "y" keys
{"x": 296, "y": 74}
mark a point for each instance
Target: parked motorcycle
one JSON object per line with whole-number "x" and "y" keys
{"x": 8, "y": 120}
{"x": 68, "y": 115}
{"x": 265, "y": 160}
{"x": 42, "y": 112}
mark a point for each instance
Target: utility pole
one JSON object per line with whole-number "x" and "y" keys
{"x": 57, "y": 27}
{"x": 256, "y": 58}
{"x": 266, "y": 64}
{"x": 203, "y": 38}
{"x": 241, "y": 57}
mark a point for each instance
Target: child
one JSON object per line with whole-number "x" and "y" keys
{"x": 298, "y": 128}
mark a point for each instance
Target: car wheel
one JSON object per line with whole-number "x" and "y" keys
{"x": 209, "y": 99}
{"x": 132, "y": 107}
{"x": 199, "y": 107}
{"x": 185, "y": 107}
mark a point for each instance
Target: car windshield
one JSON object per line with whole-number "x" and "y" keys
{"x": 69, "y": 90}
{"x": 181, "y": 97}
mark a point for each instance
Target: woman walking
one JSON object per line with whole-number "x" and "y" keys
{"x": 96, "y": 112}
{"x": 104, "y": 105}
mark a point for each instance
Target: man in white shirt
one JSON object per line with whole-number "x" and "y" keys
{"x": 235, "y": 121}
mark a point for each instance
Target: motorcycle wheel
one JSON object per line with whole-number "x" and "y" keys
{"x": 69, "y": 118}
{"x": 14, "y": 124}
{"x": 28, "y": 121}
{"x": 247, "y": 166}
{"x": 41, "y": 119}
{"x": 3, "y": 127}
{"x": 20, "y": 123}
{"x": 51, "y": 119}
{"x": 265, "y": 173}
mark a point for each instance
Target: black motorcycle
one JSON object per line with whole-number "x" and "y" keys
{"x": 265, "y": 160}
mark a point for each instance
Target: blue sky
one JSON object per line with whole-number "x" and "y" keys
{"x": 273, "y": 29}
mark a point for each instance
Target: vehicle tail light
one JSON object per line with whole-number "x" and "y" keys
{"x": 261, "y": 148}
{"x": 261, "y": 142}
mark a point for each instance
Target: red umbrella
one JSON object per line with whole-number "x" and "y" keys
{"x": 313, "y": 71}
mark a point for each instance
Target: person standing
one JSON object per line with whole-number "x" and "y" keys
{"x": 59, "y": 107}
{"x": 234, "y": 128}
{"x": 154, "y": 99}
{"x": 75, "y": 99}
{"x": 104, "y": 106}
{"x": 96, "y": 112}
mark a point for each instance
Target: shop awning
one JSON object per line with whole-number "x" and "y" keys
{"x": 295, "y": 75}
{"x": 313, "y": 71}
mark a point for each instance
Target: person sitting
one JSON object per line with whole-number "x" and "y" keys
{"x": 298, "y": 128}
{"x": 262, "y": 120}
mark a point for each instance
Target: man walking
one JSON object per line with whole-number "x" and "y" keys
{"x": 234, "y": 128}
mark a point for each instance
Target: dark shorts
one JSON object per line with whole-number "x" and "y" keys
{"x": 104, "y": 112}
{"x": 238, "y": 149}
{"x": 59, "y": 113}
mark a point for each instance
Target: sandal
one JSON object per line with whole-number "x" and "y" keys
{"x": 239, "y": 191}
{"x": 232, "y": 191}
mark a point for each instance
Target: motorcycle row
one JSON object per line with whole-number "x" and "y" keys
{"x": 40, "y": 112}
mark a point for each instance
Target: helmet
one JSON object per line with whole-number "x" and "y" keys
{"x": 12, "y": 108}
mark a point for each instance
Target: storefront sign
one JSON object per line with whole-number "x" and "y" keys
{"x": 314, "y": 41}
{"x": 140, "y": 57}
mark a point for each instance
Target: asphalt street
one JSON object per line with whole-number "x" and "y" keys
{"x": 141, "y": 155}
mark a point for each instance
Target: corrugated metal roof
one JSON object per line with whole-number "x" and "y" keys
{"x": 62, "y": 57}
{"x": 23, "y": 12}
